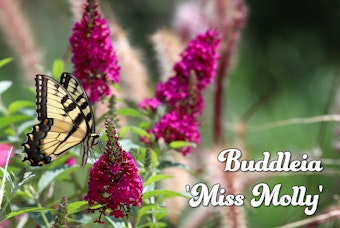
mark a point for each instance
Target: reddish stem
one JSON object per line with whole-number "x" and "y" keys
{"x": 219, "y": 103}
{"x": 230, "y": 36}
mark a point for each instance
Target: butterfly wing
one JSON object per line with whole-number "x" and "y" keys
{"x": 73, "y": 86}
{"x": 62, "y": 123}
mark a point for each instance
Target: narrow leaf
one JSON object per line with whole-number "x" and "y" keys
{"x": 140, "y": 132}
{"x": 50, "y": 175}
{"x": 163, "y": 193}
{"x": 4, "y": 61}
{"x": 170, "y": 164}
{"x": 4, "y": 85}
{"x": 17, "y": 105}
{"x": 145, "y": 125}
{"x": 128, "y": 112}
{"x": 76, "y": 207}
{"x": 144, "y": 211}
{"x": 156, "y": 178}
{"x": 8, "y": 120}
{"x": 179, "y": 144}
{"x": 123, "y": 131}
{"x": 58, "y": 67}
{"x": 26, "y": 210}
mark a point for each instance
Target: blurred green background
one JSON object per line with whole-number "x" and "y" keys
{"x": 288, "y": 59}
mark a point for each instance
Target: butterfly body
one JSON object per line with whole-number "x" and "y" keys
{"x": 66, "y": 120}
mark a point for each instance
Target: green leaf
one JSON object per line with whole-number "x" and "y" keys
{"x": 4, "y": 85}
{"x": 128, "y": 112}
{"x": 96, "y": 206}
{"x": 123, "y": 131}
{"x": 17, "y": 105}
{"x": 118, "y": 88}
{"x": 140, "y": 132}
{"x": 76, "y": 207}
{"x": 81, "y": 219}
{"x": 26, "y": 210}
{"x": 58, "y": 68}
{"x": 9, "y": 131}
{"x": 157, "y": 178}
{"x": 158, "y": 224}
{"x": 170, "y": 164}
{"x": 8, "y": 120}
{"x": 180, "y": 144}
{"x": 145, "y": 125}
{"x": 32, "y": 89}
{"x": 147, "y": 210}
{"x": 25, "y": 126}
{"x": 50, "y": 175}
{"x": 161, "y": 192}
{"x": 116, "y": 223}
{"x": 128, "y": 145}
{"x": 5, "y": 61}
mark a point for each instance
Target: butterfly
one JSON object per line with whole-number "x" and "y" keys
{"x": 66, "y": 120}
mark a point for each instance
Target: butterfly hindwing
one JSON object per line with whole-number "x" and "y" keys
{"x": 65, "y": 117}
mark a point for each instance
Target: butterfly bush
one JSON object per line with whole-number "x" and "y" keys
{"x": 114, "y": 181}
{"x": 182, "y": 93}
{"x": 4, "y": 151}
{"x": 94, "y": 58}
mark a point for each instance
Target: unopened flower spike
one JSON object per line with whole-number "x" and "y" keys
{"x": 61, "y": 218}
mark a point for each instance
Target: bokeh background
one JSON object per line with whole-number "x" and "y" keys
{"x": 286, "y": 66}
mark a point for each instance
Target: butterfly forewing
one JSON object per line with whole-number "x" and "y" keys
{"x": 75, "y": 89}
{"x": 72, "y": 85}
{"x": 65, "y": 117}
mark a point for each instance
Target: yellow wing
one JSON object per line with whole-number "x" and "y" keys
{"x": 73, "y": 86}
{"x": 65, "y": 117}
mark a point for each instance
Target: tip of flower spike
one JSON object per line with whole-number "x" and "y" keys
{"x": 61, "y": 218}
{"x": 188, "y": 20}
{"x": 182, "y": 93}
{"x": 94, "y": 58}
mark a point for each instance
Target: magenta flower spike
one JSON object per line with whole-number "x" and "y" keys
{"x": 182, "y": 93}
{"x": 94, "y": 59}
{"x": 114, "y": 181}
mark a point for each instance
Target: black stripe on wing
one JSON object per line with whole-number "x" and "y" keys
{"x": 73, "y": 86}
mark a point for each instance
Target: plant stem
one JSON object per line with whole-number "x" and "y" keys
{"x": 232, "y": 20}
{"x": 218, "y": 98}
{"x": 43, "y": 216}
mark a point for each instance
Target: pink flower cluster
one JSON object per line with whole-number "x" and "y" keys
{"x": 4, "y": 151}
{"x": 94, "y": 59}
{"x": 182, "y": 93}
{"x": 114, "y": 181}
